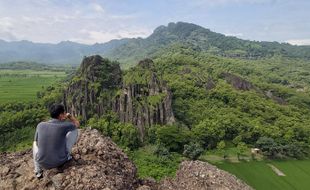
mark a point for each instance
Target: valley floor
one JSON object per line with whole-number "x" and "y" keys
{"x": 260, "y": 175}
{"x": 22, "y": 85}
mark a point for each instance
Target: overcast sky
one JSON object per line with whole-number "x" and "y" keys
{"x": 91, "y": 21}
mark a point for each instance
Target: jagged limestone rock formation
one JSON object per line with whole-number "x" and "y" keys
{"x": 92, "y": 88}
{"x": 99, "y": 164}
{"x": 139, "y": 97}
{"x": 145, "y": 99}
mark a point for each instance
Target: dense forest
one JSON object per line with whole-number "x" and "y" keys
{"x": 216, "y": 101}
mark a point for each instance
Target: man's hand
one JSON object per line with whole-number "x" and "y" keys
{"x": 68, "y": 115}
{"x": 73, "y": 120}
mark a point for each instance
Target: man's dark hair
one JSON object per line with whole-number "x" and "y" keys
{"x": 56, "y": 110}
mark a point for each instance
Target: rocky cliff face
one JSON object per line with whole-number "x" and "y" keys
{"x": 99, "y": 164}
{"x": 139, "y": 96}
{"x": 91, "y": 89}
{"x": 144, "y": 100}
{"x": 237, "y": 82}
{"x": 241, "y": 84}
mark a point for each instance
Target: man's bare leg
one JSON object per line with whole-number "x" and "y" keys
{"x": 71, "y": 139}
{"x": 37, "y": 168}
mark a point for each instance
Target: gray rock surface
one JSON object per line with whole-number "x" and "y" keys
{"x": 134, "y": 107}
{"x": 237, "y": 82}
{"x": 194, "y": 175}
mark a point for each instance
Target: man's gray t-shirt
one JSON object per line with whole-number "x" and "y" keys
{"x": 51, "y": 141}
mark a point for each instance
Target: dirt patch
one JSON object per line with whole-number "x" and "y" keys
{"x": 276, "y": 170}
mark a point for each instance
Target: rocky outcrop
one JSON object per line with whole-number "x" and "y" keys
{"x": 242, "y": 84}
{"x": 194, "y": 175}
{"x": 98, "y": 164}
{"x": 145, "y": 100}
{"x": 138, "y": 97}
{"x": 210, "y": 84}
{"x": 279, "y": 100}
{"x": 237, "y": 82}
{"x": 91, "y": 89}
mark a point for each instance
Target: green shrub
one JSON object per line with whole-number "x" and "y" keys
{"x": 172, "y": 137}
{"x": 192, "y": 150}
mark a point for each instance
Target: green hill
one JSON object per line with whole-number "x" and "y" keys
{"x": 203, "y": 40}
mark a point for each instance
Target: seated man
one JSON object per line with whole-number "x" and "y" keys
{"x": 54, "y": 140}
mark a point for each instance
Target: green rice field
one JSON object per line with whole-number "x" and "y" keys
{"x": 260, "y": 176}
{"x": 22, "y": 85}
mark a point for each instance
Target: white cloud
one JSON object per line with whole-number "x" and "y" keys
{"x": 91, "y": 37}
{"x": 33, "y": 19}
{"x": 64, "y": 18}
{"x": 7, "y": 29}
{"x": 123, "y": 17}
{"x": 234, "y": 34}
{"x": 6, "y": 23}
{"x": 96, "y": 7}
{"x": 299, "y": 41}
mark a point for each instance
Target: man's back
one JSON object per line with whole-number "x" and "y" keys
{"x": 51, "y": 140}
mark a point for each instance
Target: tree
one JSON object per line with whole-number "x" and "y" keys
{"x": 242, "y": 148}
{"x": 208, "y": 132}
{"x": 124, "y": 134}
{"x": 172, "y": 137}
{"x": 268, "y": 146}
{"x": 161, "y": 151}
{"x": 221, "y": 147}
{"x": 130, "y": 136}
{"x": 192, "y": 150}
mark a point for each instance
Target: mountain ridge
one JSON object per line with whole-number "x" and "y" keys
{"x": 65, "y": 52}
{"x": 132, "y": 50}
{"x": 202, "y": 39}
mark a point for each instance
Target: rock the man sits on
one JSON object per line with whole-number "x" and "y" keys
{"x": 54, "y": 140}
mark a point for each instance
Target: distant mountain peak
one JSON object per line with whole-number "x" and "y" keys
{"x": 178, "y": 28}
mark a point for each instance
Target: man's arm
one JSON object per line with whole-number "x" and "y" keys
{"x": 73, "y": 120}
